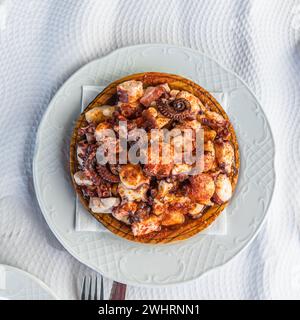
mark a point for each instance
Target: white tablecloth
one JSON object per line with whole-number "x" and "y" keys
{"x": 43, "y": 42}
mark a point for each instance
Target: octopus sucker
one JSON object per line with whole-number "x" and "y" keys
{"x": 178, "y": 109}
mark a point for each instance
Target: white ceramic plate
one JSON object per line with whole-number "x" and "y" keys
{"x": 140, "y": 264}
{"x": 16, "y": 284}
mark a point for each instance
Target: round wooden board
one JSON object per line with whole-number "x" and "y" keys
{"x": 191, "y": 226}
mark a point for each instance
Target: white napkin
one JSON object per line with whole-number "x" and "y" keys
{"x": 85, "y": 222}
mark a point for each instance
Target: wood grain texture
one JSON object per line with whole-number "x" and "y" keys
{"x": 191, "y": 226}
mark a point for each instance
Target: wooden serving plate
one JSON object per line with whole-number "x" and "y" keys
{"x": 191, "y": 226}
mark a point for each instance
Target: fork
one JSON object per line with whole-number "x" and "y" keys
{"x": 90, "y": 289}
{"x": 91, "y": 285}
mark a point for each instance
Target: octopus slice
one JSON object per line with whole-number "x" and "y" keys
{"x": 164, "y": 188}
{"x": 209, "y": 134}
{"x": 202, "y": 188}
{"x": 146, "y": 226}
{"x": 81, "y": 179}
{"x": 196, "y": 210}
{"x": 223, "y": 190}
{"x": 182, "y": 168}
{"x": 195, "y": 103}
{"x": 170, "y": 206}
{"x": 148, "y": 119}
{"x": 216, "y": 122}
{"x": 161, "y": 121}
{"x": 139, "y": 194}
{"x": 158, "y": 208}
{"x": 124, "y": 211}
{"x": 154, "y": 119}
{"x": 130, "y": 91}
{"x": 224, "y": 155}
{"x": 153, "y": 93}
{"x": 99, "y": 114}
{"x": 166, "y": 87}
{"x": 104, "y": 205}
{"x": 132, "y": 176}
{"x": 209, "y": 156}
{"x": 172, "y": 209}
{"x": 173, "y": 93}
{"x": 161, "y": 164}
{"x": 158, "y": 170}
{"x": 129, "y": 110}
{"x": 101, "y": 131}
{"x": 172, "y": 218}
{"x": 184, "y": 145}
{"x": 216, "y": 117}
{"x": 189, "y": 124}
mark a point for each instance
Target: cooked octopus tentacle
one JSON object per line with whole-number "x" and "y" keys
{"x": 107, "y": 175}
{"x": 114, "y": 169}
{"x": 90, "y": 128}
{"x": 179, "y": 109}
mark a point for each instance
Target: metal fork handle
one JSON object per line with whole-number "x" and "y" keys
{"x": 118, "y": 291}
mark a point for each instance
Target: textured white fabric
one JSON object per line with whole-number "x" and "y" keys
{"x": 43, "y": 42}
{"x": 85, "y": 222}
